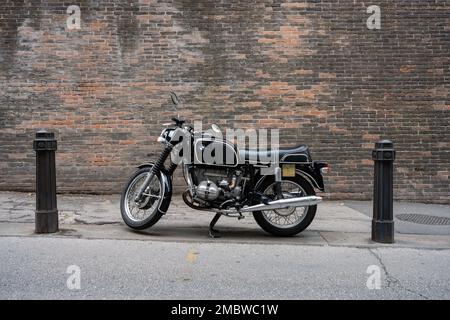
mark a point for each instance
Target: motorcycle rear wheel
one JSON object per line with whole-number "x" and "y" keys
{"x": 271, "y": 221}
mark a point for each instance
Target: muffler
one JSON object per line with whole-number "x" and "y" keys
{"x": 284, "y": 203}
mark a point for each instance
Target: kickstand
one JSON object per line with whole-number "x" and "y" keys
{"x": 213, "y": 233}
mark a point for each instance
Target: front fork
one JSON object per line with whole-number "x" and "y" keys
{"x": 159, "y": 164}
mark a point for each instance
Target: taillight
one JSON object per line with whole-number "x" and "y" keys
{"x": 326, "y": 169}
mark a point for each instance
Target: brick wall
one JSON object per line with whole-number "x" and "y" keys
{"x": 310, "y": 68}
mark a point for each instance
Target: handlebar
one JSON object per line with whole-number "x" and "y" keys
{"x": 178, "y": 122}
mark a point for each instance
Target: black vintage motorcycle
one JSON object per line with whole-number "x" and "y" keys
{"x": 280, "y": 193}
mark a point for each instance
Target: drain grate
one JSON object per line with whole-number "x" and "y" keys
{"x": 423, "y": 219}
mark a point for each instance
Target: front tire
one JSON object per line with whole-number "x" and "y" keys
{"x": 271, "y": 220}
{"x": 144, "y": 216}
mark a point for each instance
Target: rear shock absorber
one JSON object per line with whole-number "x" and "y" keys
{"x": 277, "y": 185}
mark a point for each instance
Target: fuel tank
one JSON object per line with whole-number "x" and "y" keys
{"x": 215, "y": 152}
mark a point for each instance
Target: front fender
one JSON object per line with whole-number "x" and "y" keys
{"x": 167, "y": 186}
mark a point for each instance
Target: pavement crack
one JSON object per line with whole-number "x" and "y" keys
{"x": 393, "y": 281}
{"x": 97, "y": 223}
{"x": 324, "y": 239}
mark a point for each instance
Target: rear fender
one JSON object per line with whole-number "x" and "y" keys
{"x": 310, "y": 172}
{"x": 167, "y": 186}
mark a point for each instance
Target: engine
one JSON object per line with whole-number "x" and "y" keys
{"x": 221, "y": 184}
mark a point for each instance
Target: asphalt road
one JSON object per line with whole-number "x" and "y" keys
{"x": 36, "y": 268}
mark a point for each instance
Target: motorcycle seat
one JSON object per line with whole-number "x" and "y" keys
{"x": 299, "y": 153}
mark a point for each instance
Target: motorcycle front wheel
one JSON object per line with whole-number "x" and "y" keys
{"x": 288, "y": 221}
{"x": 146, "y": 214}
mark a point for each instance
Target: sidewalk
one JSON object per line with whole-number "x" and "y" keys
{"x": 336, "y": 223}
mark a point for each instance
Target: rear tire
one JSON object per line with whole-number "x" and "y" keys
{"x": 287, "y": 231}
{"x": 153, "y": 205}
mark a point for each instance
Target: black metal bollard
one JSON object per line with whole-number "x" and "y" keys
{"x": 46, "y": 214}
{"x": 383, "y": 219}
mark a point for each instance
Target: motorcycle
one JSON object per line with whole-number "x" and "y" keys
{"x": 227, "y": 180}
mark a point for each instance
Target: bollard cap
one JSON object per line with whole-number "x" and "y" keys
{"x": 384, "y": 151}
{"x": 384, "y": 144}
{"x": 44, "y": 134}
{"x": 44, "y": 141}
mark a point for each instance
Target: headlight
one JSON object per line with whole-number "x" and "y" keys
{"x": 166, "y": 135}
{"x": 163, "y": 136}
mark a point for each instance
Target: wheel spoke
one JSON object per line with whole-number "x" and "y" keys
{"x": 152, "y": 197}
{"x": 286, "y": 217}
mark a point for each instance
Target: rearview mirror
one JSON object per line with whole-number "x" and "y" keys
{"x": 216, "y": 128}
{"x": 174, "y": 98}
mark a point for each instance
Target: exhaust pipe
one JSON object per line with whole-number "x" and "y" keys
{"x": 285, "y": 203}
